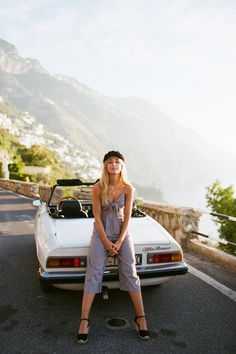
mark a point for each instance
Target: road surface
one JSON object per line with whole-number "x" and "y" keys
{"x": 185, "y": 315}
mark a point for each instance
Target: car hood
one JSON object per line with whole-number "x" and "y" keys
{"x": 78, "y": 232}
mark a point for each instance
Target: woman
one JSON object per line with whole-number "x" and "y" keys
{"x": 112, "y": 207}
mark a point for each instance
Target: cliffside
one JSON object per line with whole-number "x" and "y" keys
{"x": 12, "y": 63}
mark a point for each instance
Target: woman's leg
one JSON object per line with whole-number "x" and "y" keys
{"x": 93, "y": 279}
{"x": 129, "y": 281}
{"x": 137, "y": 300}
{"x": 85, "y": 311}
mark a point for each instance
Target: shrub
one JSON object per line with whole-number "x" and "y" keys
{"x": 221, "y": 200}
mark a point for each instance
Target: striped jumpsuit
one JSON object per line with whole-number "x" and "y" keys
{"x": 112, "y": 215}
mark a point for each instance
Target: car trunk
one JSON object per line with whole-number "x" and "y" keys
{"x": 147, "y": 231}
{"x": 71, "y": 233}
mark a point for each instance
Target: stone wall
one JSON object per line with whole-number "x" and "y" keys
{"x": 25, "y": 188}
{"x": 179, "y": 222}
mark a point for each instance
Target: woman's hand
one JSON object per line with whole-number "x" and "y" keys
{"x": 118, "y": 245}
{"x": 111, "y": 247}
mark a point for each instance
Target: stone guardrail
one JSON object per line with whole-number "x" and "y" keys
{"x": 179, "y": 222}
{"x": 28, "y": 189}
{"x": 217, "y": 256}
{"x": 25, "y": 188}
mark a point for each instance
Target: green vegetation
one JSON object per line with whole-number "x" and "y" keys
{"x": 8, "y": 142}
{"x": 36, "y": 155}
{"x": 222, "y": 201}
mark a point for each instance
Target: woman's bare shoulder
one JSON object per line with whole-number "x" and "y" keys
{"x": 97, "y": 187}
{"x": 128, "y": 188}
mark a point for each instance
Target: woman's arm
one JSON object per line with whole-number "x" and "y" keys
{"x": 127, "y": 215}
{"x": 98, "y": 221}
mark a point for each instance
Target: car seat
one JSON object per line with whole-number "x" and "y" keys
{"x": 72, "y": 209}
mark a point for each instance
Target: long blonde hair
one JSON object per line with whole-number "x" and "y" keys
{"x": 104, "y": 180}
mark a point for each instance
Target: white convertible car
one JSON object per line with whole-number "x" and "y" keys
{"x": 63, "y": 228}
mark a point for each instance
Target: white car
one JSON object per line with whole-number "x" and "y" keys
{"x": 63, "y": 228}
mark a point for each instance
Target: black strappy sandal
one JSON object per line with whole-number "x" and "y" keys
{"x": 82, "y": 338}
{"x": 142, "y": 333}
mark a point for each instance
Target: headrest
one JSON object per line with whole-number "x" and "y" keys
{"x": 69, "y": 205}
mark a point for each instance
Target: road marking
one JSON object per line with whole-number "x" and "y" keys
{"x": 222, "y": 288}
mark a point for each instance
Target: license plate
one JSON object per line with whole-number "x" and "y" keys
{"x": 112, "y": 261}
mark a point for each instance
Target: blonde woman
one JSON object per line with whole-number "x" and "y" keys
{"x": 112, "y": 207}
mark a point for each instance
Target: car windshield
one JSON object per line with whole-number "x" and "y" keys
{"x": 78, "y": 192}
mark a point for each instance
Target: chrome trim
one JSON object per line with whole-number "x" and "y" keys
{"x": 163, "y": 271}
{"x": 112, "y": 274}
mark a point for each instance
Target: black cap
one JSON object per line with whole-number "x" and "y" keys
{"x": 113, "y": 153}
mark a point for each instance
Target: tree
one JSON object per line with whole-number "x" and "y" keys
{"x": 16, "y": 169}
{"x": 37, "y": 155}
{"x": 221, "y": 200}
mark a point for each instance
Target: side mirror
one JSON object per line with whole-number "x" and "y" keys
{"x": 37, "y": 203}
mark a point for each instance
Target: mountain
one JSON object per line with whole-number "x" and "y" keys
{"x": 162, "y": 155}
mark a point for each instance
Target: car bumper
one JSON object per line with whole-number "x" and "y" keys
{"x": 112, "y": 274}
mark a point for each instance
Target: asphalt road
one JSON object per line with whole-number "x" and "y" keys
{"x": 185, "y": 315}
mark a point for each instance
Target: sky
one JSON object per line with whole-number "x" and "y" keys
{"x": 178, "y": 54}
